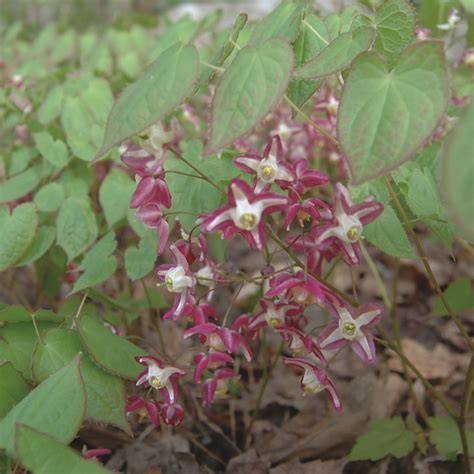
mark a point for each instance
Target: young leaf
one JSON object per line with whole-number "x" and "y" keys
{"x": 22, "y": 183}
{"x": 16, "y": 234}
{"x": 17, "y": 342}
{"x": 424, "y": 201}
{"x": 104, "y": 392}
{"x": 284, "y": 22}
{"x": 457, "y": 173}
{"x": 249, "y": 89}
{"x": 41, "y": 244}
{"x": 13, "y": 388}
{"x": 388, "y": 436}
{"x": 395, "y": 23}
{"x": 445, "y": 436}
{"x": 50, "y": 197}
{"x": 114, "y": 195}
{"x": 338, "y": 54}
{"x": 191, "y": 195}
{"x": 313, "y": 37}
{"x": 76, "y": 226}
{"x": 98, "y": 264}
{"x": 54, "y": 151}
{"x": 226, "y": 50}
{"x": 459, "y": 296}
{"x": 56, "y": 407}
{"x": 84, "y": 118}
{"x": 385, "y": 116}
{"x": 164, "y": 85}
{"x": 388, "y": 234}
{"x": 19, "y": 314}
{"x": 140, "y": 261}
{"x": 113, "y": 353}
{"x": 43, "y": 454}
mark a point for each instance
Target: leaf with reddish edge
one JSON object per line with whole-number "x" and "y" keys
{"x": 42, "y": 454}
{"x": 56, "y": 407}
{"x": 105, "y": 392}
{"x": 457, "y": 173}
{"x": 13, "y": 387}
{"x": 166, "y": 83}
{"x": 113, "y": 353}
{"x": 338, "y": 54}
{"x": 384, "y": 117}
{"x": 248, "y": 90}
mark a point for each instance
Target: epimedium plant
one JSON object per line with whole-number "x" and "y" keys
{"x": 323, "y": 132}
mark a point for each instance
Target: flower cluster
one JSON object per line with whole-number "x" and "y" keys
{"x": 277, "y": 192}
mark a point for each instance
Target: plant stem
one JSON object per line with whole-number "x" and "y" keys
{"x": 158, "y": 325}
{"x": 312, "y": 122}
{"x": 261, "y": 393}
{"x": 198, "y": 171}
{"x": 392, "y": 306}
{"x": 385, "y": 340}
{"x": 426, "y": 263}
{"x": 300, "y": 264}
{"x": 461, "y": 421}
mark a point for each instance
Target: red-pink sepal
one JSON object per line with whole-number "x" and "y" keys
{"x": 172, "y": 413}
{"x": 315, "y": 380}
{"x": 212, "y": 360}
{"x": 360, "y": 320}
{"x": 94, "y": 453}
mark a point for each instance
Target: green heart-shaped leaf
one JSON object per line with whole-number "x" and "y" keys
{"x": 385, "y": 116}
{"x": 248, "y": 90}
{"x": 163, "y": 86}
{"x": 17, "y": 232}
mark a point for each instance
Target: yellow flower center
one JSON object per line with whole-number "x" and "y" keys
{"x": 267, "y": 172}
{"x": 169, "y": 283}
{"x": 349, "y": 328}
{"x": 353, "y": 234}
{"x": 155, "y": 382}
{"x": 247, "y": 221}
{"x": 274, "y": 322}
{"x": 309, "y": 389}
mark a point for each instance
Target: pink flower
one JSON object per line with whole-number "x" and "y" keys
{"x": 212, "y": 360}
{"x": 315, "y": 380}
{"x": 172, "y": 413}
{"x": 305, "y": 178}
{"x": 300, "y": 288}
{"x": 244, "y": 213}
{"x": 306, "y": 212}
{"x": 274, "y": 314}
{"x": 160, "y": 376}
{"x": 345, "y": 229}
{"x": 352, "y": 326}
{"x": 151, "y": 190}
{"x": 178, "y": 279}
{"x": 269, "y": 167}
{"x": 218, "y": 386}
{"x": 299, "y": 344}
{"x": 220, "y": 339}
{"x": 94, "y": 453}
{"x": 152, "y": 216}
{"x": 315, "y": 254}
{"x": 143, "y": 408}
{"x": 142, "y": 162}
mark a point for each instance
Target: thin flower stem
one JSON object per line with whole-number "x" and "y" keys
{"x": 426, "y": 263}
{"x": 300, "y": 264}
{"x": 158, "y": 325}
{"x": 392, "y": 306}
{"x": 376, "y": 274}
{"x": 231, "y": 304}
{"x": 261, "y": 393}
{"x": 463, "y": 415}
{"x": 310, "y": 121}
{"x": 385, "y": 340}
{"x": 198, "y": 171}
{"x": 38, "y": 335}
{"x": 81, "y": 305}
